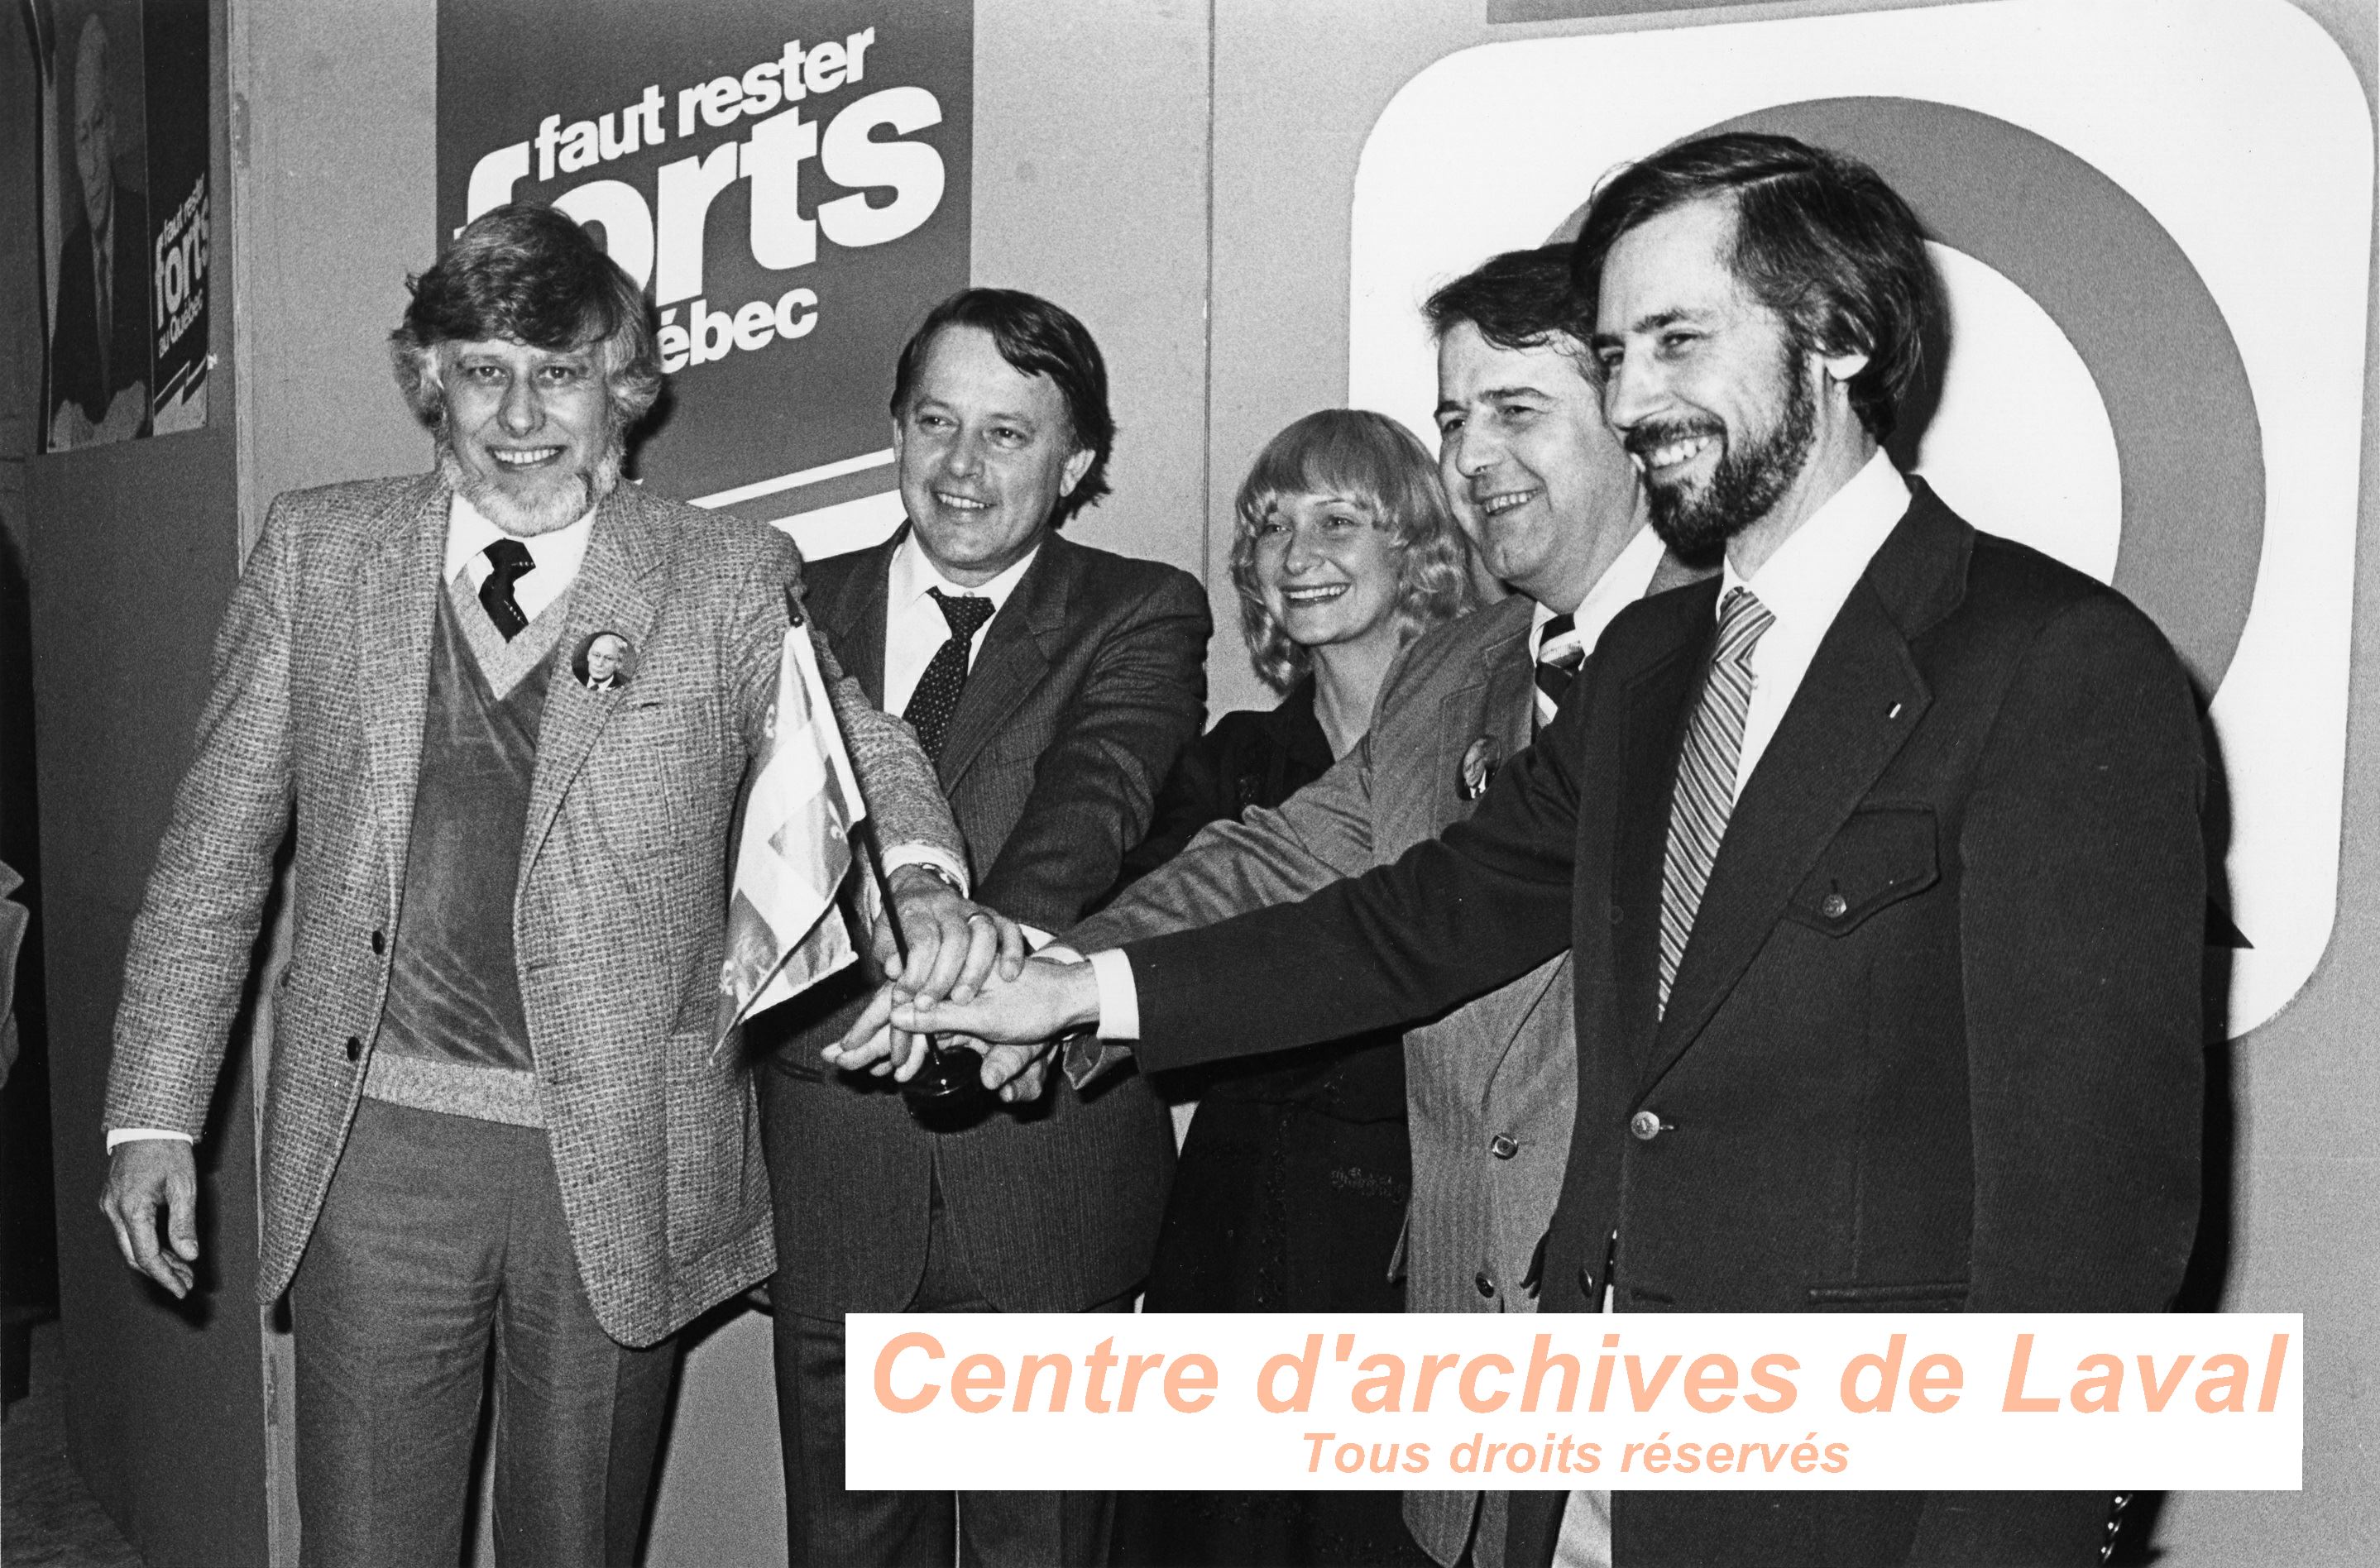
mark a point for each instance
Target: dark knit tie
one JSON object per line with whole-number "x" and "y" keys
{"x": 1561, "y": 651}
{"x": 507, "y": 560}
{"x": 937, "y": 696}
{"x": 1704, "y": 797}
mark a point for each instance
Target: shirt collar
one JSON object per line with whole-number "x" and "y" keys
{"x": 556, "y": 554}
{"x": 1810, "y": 575}
{"x": 1622, "y": 584}
{"x": 913, "y": 573}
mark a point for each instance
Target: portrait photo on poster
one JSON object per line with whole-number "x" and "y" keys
{"x": 124, "y": 213}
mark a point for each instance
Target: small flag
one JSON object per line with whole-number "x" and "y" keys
{"x": 783, "y": 931}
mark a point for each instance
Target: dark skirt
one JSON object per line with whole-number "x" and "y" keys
{"x": 1279, "y": 1205}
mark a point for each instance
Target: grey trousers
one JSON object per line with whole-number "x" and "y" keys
{"x": 825, "y": 1524}
{"x": 444, "y": 1236}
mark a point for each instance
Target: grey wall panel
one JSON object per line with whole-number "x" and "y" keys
{"x": 132, "y": 552}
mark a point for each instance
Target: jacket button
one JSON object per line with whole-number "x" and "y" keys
{"x": 1487, "y": 1286}
{"x": 1504, "y": 1146}
{"x": 355, "y": 1049}
{"x": 1834, "y": 907}
{"x": 379, "y": 942}
{"x": 1644, "y": 1126}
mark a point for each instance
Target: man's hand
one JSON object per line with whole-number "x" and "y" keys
{"x": 142, "y": 1175}
{"x": 1046, "y": 999}
{"x": 952, "y": 943}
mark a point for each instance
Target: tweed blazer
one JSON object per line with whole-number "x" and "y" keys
{"x": 1933, "y": 1043}
{"x": 1489, "y": 1088}
{"x": 321, "y": 686}
{"x": 1088, "y": 683}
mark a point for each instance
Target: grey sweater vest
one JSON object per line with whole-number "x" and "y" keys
{"x": 454, "y": 1036}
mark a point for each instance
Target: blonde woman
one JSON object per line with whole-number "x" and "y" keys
{"x": 1293, "y": 1177}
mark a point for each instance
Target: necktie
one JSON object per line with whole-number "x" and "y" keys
{"x": 103, "y": 285}
{"x": 937, "y": 696}
{"x": 1706, "y": 791}
{"x": 1561, "y": 650}
{"x": 507, "y": 561}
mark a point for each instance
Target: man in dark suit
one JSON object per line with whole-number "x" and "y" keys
{"x": 1546, "y": 492}
{"x": 99, "y": 344}
{"x": 1053, "y": 685}
{"x": 1879, "y": 859}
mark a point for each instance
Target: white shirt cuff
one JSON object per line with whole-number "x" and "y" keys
{"x": 116, "y": 1135}
{"x": 942, "y": 860}
{"x": 1118, "y": 997}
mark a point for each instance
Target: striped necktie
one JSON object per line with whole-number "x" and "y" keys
{"x": 1706, "y": 791}
{"x": 1561, "y": 650}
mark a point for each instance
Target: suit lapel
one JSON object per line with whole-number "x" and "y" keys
{"x": 1857, "y": 705}
{"x": 855, "y": 618}
{"x": 1654, "y": 704}
{"x": 397, "y": 586}
{"x": 617, "y": 591}
{"x": 1488, "y": 705}
{"x": 1017, "y": 650}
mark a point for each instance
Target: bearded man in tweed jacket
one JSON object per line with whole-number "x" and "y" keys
{"x": 492, "y": 1111}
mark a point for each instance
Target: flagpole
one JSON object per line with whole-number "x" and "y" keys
{"x": 941, "y": 1082}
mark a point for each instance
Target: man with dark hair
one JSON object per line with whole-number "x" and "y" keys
{"x": 493, "y": 1114}
{"x": 1053, "y": 685}
{"x": 1879, "y": 859}
{"x": 1548, "y": 497}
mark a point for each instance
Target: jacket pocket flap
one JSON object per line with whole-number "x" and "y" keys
{"x": 1882, "y": 855}
{"x": 1916, "y": 1296}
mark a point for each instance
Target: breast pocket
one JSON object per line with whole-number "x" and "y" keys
{"x": 1882, "y": 854}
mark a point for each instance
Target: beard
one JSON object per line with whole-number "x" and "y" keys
{"x": 1695, "y": 522}
{"x": 556, "y": 503}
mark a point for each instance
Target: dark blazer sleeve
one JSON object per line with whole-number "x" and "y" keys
{"x": 1095, "y": 788}
{"x": 2082, "y": 919}
{"x": 1453, "y": 918}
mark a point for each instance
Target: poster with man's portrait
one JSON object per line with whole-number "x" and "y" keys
{"x": 124, "y": 217}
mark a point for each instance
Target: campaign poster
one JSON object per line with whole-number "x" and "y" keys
{"x": 789, "y": 183}
{"x": 125, "y": 207}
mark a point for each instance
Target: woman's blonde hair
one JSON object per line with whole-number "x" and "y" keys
{"x": 1368, "y": 458}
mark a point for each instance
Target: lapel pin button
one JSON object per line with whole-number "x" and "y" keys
{"x": 1895, "y": 712}
{"x": 1478, "y": 767}
{"x": 605, "y": 661}
{"x": 1835, "y": 906}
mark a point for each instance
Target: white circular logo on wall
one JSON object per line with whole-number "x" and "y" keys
{"x": 2152, "y": 220}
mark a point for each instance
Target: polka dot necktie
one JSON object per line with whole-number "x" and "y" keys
{"x": 1561, "y": 650}
{"x": 508, "y": 561}
{"x": 937, "y": 696}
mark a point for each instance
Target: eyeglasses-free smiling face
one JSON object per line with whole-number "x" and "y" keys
{"x": 1715, "y": 401}
{"x": 527, "y": 431}
{"x": 986, "y": 454}
{"x": 1328, "y": 567}
{"x": 1536, "y": 476}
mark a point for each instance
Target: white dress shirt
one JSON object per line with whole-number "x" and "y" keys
{"x": 1622, "y": 584}
{"x": 915, "y": 627}
{"x": 1804, "y": 585}
{"x": 555, "y": 556}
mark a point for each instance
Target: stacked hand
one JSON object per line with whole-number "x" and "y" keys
{"x": 1013, "y": 1016}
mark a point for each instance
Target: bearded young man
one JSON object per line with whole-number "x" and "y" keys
{"x": 494, "y": 1113}
{"x": 1878, "y": 857}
